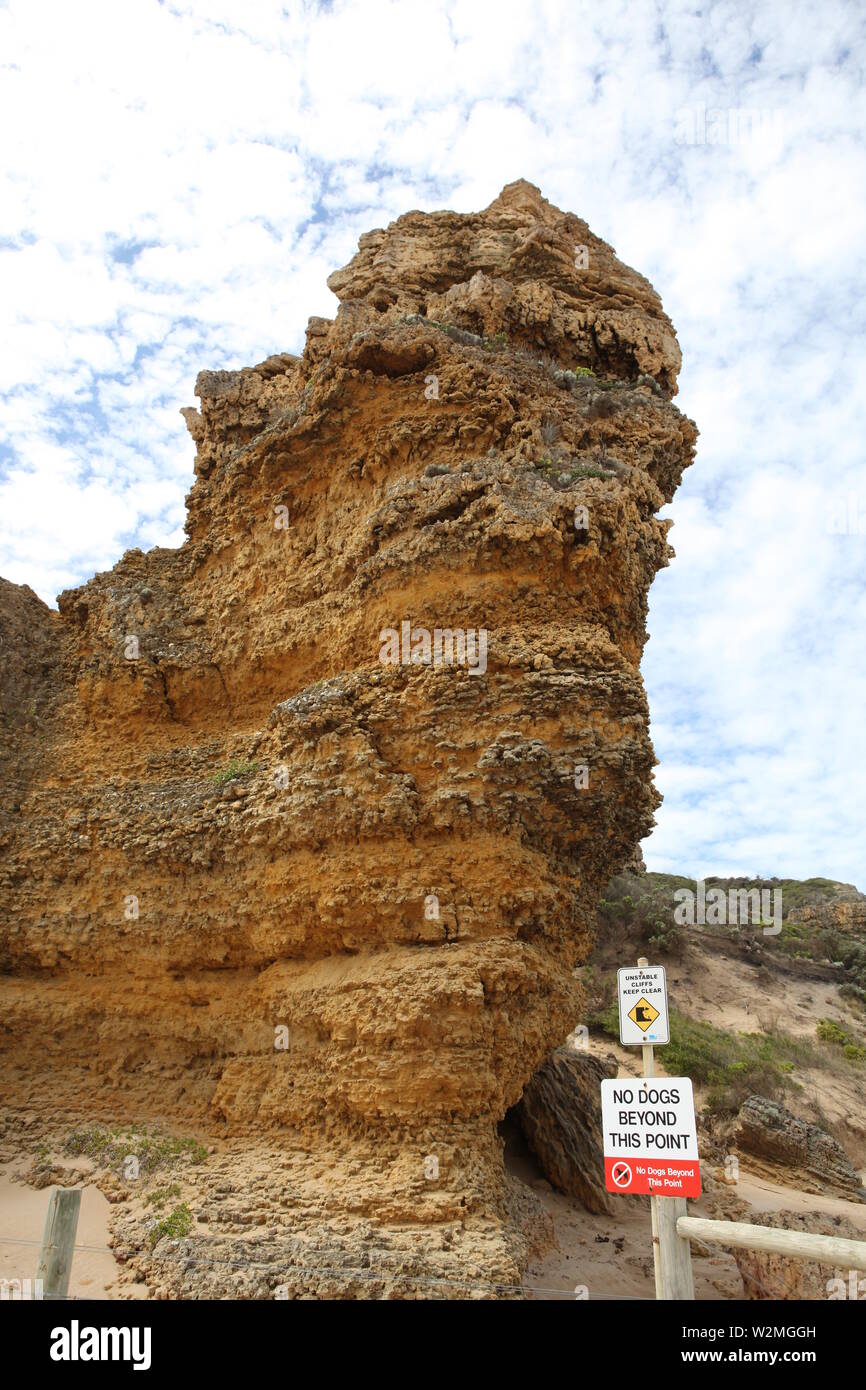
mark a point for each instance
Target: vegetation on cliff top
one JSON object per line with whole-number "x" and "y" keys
{"x": 732, "y": 1065}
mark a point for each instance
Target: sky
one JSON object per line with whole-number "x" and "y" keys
{"x": 177, "y": 180}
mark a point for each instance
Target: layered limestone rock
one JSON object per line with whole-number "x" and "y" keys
{"x": 844, "y": 912}
{"x": 263, "y": 881}
{"x": 778, "y": 1139}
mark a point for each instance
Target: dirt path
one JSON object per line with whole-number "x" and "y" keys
{"x": 611, "y": 1256}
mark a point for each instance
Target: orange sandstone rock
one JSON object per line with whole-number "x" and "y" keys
{"x": 259, "y": 884}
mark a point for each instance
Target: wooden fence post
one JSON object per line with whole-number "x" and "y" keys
{"x": 672, "y": 1255}
{"x": 675, "y": 1251}
{"x": 58, "y": 1241}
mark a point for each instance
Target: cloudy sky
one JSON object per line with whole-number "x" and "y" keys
{"x": 177, "y": 180}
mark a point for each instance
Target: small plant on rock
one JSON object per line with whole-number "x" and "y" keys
{"x": 234, "y": 769}
{"x": 177, "y": 1224}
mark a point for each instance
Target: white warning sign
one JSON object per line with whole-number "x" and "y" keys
{"x": 650, "y": 1139}
{"x": 643, "y": 1005}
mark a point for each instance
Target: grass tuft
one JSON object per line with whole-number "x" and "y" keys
{"x": 234, "y": 769}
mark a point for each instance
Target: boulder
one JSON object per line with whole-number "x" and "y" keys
{"x": 808, "y": 1154}
{"x": 560, "y": 1115}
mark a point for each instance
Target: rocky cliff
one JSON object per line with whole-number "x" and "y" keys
{"x": 303, "y": 824}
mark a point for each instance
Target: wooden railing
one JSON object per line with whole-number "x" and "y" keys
{"x": 741, "y": 1235}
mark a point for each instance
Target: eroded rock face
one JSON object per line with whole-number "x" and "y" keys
{"x": 236, "y": 825}
{"x": 810, "y": 1155}
{"x": 845, "y": 913}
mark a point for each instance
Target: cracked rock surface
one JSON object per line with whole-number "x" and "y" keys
{"x": 258, "y": 885}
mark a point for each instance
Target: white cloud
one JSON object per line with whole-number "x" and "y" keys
{"x": 178, "y": 179}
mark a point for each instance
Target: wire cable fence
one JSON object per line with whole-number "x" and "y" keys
{"x": 351, "y": 1274}
{"x": 348, "y": 1273}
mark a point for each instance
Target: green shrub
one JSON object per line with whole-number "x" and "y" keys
{"x": 161, "y": 1195}
{"x": 641, "y": 913}
{"x": 234, "y": 769}
{"x": 607, "y": 1020}
{"x": 177, "y": 1224}
{"x": 586, "y": 470}
{"x": 732, "y": 1065}
{"x": 830, "y": 1031}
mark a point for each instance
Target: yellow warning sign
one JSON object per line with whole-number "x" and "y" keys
{"x": 643, "y": 1014}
